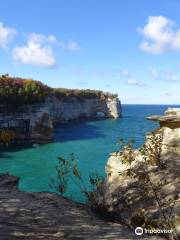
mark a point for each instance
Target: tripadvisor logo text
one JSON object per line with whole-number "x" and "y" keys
{"x": 139, "y": 231}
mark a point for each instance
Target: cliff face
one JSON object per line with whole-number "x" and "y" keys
{"x": 142, "y": 186}
{"x": 90, "y": 108}
{"x": 36, "y": 121}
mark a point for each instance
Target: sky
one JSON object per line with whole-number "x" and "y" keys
{"x": 129, "y": 47}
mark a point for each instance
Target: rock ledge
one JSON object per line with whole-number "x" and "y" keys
{"x": 31, "y": 216}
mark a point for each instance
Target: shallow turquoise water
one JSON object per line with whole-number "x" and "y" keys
{"x": 90, "y": 141}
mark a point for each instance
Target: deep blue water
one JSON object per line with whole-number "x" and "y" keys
{"x": 90, "y": 141}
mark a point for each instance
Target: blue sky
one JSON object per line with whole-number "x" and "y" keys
{"x": 130, "y": 47}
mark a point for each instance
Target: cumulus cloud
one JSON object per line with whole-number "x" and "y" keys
{"x": 7, "y": 34}
{"x": 130, "y": 80}
{"x": 163, "y": 75}
{"x": 40, "y": 38}
{"x": 37, "y": 52}
{"x": 160, "y": 35}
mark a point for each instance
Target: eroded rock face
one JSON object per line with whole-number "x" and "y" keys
{"x": 39, "y": 122}
{"x": 114, "y": 108}
{"x": 42, "y": 117}
{"x": 125, "y": 196}
{"x": 46, "y": 216}
{"x": 89, "y": 108}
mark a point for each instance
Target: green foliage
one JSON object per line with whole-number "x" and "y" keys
{"x": 151, "y": 151}
{"x": 80, "y": 95}
{"x": 95, "y": 180}
{"x": 68, "y": 169}
{"x": 152, "y": 190}
{"x": 6, "y": 136}
{"x": 16, "y": 91}
{"x": 63, "y": 169}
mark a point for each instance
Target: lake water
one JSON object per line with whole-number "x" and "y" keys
{"x": 90, "y": 141}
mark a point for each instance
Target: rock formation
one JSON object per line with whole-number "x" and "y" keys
{"x": 30, "y": 108}
{"x": 41, "y": 118}
{"x": 61, "y": 111}
{"x": 46, "y": 216}
{"x": 142, "y": 185}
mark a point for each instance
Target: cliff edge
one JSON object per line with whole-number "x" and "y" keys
{"x": 143, "y": 185}
{"x": 32, "y": 109}
{"x": 46, "y": 216}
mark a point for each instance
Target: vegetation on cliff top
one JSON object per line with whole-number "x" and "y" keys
{"x": 18, "y": 91}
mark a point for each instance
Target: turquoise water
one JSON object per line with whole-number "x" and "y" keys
{"x": 90, "y": 141}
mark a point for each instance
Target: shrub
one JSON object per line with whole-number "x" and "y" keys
{"x": 67, "y": 168}
{"x": 16, "y": 91}
{"x": 19, "y": 91}
{"x": 79, "y": 95}
{"x": 6, "y": 136}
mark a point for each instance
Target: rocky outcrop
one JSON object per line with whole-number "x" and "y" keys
{"x": 33, "y": 122}
{"x": 46, "y": 216}
{"x": 41, "y": 118}
{"x": 113, "y": 107}
{"x": 89, "y": 108}
{"x": 142, "y": 186}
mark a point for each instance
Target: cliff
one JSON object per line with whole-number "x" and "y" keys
{"x": 142, "y": 185}
{"x": 33, "y": 109}
{"x": 61, "y": 111}
{"x": 37, "y": 121}
{"x": 47, "y": 216}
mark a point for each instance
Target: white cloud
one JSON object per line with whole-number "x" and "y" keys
{"x": 37, "y": 52}
{"x": 160, "y": 35}
{"x": 125, "y": 73}
{"x": 171, "y": 77}
{"x": 71, "y": 45}
{"x": 40, "y": 38}
{"x": 7, "y": 34}
{"x": 130, "y": 80}
{"x": 163, "y": 75}
{"x": 154, "y": 72}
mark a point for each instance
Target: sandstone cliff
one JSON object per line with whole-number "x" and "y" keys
{"x": 36, "y": 122}
{"x": 31, "y": 108}
{"x": 142, "y": 186}
{"x": 61, "y": 111}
